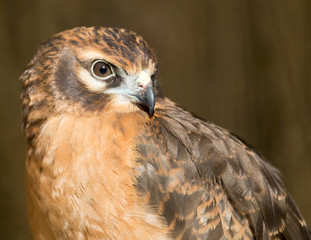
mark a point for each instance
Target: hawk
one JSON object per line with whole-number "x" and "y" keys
{"x": 110, "y": 157}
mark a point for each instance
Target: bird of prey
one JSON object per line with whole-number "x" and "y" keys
{"x": 110, "y": 157}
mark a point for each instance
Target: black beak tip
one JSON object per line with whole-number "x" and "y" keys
{"x": 147, "y": 100}
{"x": 151, "y": 111}
{"x": 147, "y": 109}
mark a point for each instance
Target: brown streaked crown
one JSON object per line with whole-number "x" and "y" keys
{"x": 51, "y": 84}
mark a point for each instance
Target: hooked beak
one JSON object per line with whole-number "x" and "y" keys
{"x": 147, "y": 98}
{"x": 139, "y": 90}
{"x": 145, "y": 95}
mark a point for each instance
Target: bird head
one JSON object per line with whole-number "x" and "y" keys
{"x": 92, "y": 69}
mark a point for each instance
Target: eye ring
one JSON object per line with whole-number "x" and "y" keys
{"x": 102, "y": 70}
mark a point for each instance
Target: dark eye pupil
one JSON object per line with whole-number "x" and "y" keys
{"x": 103, "y": 70}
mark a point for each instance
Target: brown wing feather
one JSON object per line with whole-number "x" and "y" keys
{"x": 210, "y": 185}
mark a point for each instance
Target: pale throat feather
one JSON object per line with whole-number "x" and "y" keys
{"x": 92, "y": 156}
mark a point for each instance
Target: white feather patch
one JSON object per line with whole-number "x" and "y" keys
{"x": 90, "y": 82}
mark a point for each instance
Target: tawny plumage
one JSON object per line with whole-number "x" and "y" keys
{"x": 109, "y": 157}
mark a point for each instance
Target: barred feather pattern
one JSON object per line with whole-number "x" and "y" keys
{"x": 210, "y": 185}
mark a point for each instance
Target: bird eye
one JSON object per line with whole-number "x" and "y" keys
{"x": 101, "y": 69}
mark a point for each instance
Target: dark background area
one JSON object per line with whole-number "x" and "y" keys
{"x": 244, "y": 65}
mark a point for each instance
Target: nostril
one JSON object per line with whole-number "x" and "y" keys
{"x": 143, "y": 79}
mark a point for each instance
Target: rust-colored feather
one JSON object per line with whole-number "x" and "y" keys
{"x": 100, "y": 166}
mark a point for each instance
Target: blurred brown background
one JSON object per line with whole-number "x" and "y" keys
{"x": 245, "y": 65}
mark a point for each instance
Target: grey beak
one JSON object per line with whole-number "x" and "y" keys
{"x": 147, "y": 98}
